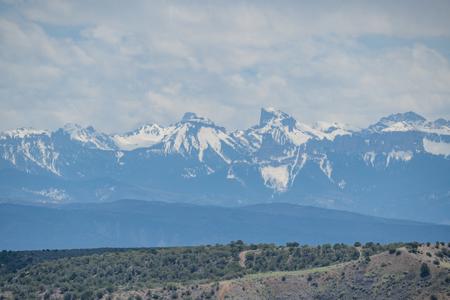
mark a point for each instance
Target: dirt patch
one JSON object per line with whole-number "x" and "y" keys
{"x": 224, "y": 288}
{"x": 243, "y": 255}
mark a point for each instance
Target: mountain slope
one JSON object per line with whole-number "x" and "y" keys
{"x": 141, "y": 223}
{"x": 232, "y": 271}
{"x": 383, "y": 276}
{"x": 143, "y": 137}
{"x": 398, "y": 167}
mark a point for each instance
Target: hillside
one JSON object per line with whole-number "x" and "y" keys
{"x": 233, "y": 271}
{"x": 132, "y": 223}
{"x": 386, "y": 275}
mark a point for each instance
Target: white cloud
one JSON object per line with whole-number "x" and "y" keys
{"x": 103, "y": 33}
{"x": 84, "y": 61}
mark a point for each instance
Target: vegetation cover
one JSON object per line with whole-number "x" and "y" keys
{"x": 96, "y": 273}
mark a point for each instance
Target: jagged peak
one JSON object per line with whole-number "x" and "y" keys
{"x": 147, "y": 128}
{"x": 143, "y": 129}
{"x": 191, "y": 117}
{"x": 271, "y": 115}
{"x": 149, "y": 125}
{"x": 408, "y": 117}
{"x": 188, "y": 116}
{"x": 23, "y": 132}
{"x": 74, "y": 127}
{"x": 328, "y": 126}
{"x": 144, "y": 136}
{"x": 407, "y": 121}
{"x": 88, "y": 135}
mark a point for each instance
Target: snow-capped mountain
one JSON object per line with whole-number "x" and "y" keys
{"x": 196, "y": 136}
{"x": 397, "y": 167}
{"x": 278, "y": 144}
{"x": 410, "y": 121}
{"x": 89, "y": 137}
{"x": 279, "y": 128}
{"x": 331, "y": 130}
{"x": 29, "y": 149}
{"x": 21, "y": 133}
{"x": 145, "y": 136}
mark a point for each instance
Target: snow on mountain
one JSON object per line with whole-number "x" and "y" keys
{"x": 51, "y": 195}
{"x": 89, "y": 137}
{"x": 398, "y": 155}
{"x": 436, "y": 147}
{"x": 410, "y": 121}
{"x": 439, "y": 126}
{"x": 21, "y": 133}
{"x": 277, "y": 177}
{"x": 410, "y": 117}
{"x": 283, "y": 129}
{"x": 325, "y": 166}
{"x": 280, "y": 139}
{"x": 26, "y": 148}
{"x": 398, "y": 122}
{"x": 143, "y": 137}
{"x": 275, "y": 127}
{"x": 196, "y": 136}
{"x": 400, "y": 126}
{"x": 250, "y": 143}
{"x": 277, "y": 147}
{"x": 331, "y": 130}
{"x": 369, "y": 158}
{"x": 400, "y": 162}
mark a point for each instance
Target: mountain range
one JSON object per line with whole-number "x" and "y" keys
{"x": 137, "y": 223}
{"x": 398, "y": 167}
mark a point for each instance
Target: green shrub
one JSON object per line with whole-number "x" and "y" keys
{"x": 69, "y": 296}
{"x": 424, "y": 270}
{"x": 91, "y": 274}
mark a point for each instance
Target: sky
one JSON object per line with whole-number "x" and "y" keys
{"x": 118, "y": 64}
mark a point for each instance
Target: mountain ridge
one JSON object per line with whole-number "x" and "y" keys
{"x": 145, "y": 223}
{"x": 397, "y": 167}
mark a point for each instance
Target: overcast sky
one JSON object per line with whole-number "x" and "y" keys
{"x": 118, "y": 64}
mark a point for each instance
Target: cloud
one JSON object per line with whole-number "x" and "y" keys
{"x": 104, "y": 34}
{"x": 116, "y": 65}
